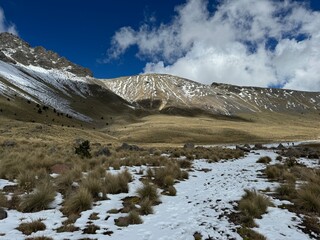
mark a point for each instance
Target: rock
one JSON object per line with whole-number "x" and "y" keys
{"x": 247, "y": 146}
{"x": 258, "y": 146}
{"x": 243, "y": 148}
{"x": 3, "y": 214}
{"x": 126, "y": 146}
{"x": 9, "y": 143}
{"x": 60, "y": 168}
{"x": 188, "y": 146}
{"x": 103, "y": 152}
{"x": 280, "y": 146}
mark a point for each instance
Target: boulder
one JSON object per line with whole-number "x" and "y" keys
{"x": 103, "y": 152}
{"x": 188, "y": 145}
{"x": 281, "y": 147}
{"x": 3, "y": 214}
{"x": 128, "y": 147}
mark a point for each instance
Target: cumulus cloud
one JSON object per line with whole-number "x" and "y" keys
{"x": 4, "y": 26}
{"x": 244, "y": 42}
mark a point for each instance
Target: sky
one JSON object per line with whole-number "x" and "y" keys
{"x": 265, "y": 43}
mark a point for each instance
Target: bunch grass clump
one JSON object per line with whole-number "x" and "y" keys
{"x": 77, "y": 202}
{"x": 31, "y": 227}
{"x": 117, "y": 183}
{"x": 264, "y": 160}
{"x": 39, "y": 199}
{"x": 148, "y": 191}
{"x": 253, "y": 205}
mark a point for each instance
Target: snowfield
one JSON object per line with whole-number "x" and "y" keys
{"x": 201, "y": 205}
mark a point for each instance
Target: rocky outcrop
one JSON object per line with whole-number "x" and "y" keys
{"x": 13, "y": 50}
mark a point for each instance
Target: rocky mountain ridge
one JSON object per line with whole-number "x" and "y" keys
{"x": 165, "y": 92}
{"x": 45, "y": 78}
{"x": 13, "y": 49}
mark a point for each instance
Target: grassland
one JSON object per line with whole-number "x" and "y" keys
{"x": 260, "y": 127}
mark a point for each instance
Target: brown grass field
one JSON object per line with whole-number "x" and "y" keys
{"x": 167, "y": 130}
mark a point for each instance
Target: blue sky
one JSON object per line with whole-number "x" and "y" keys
{"x": 243, "y": 42}
{"x": 82, "y": 30}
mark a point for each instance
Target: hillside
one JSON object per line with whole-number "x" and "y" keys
{"x": 39, "y": 86}
{"x": 168, "y": 93}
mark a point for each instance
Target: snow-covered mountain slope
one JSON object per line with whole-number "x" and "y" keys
{"x": 44, "y": 78}
{"x": 160, "y": 91}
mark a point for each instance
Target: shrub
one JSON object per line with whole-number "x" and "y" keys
{"x": 148, "y": 191}
{"x": 134, "y": 218}
{"x": 286, "y": 190}
{"x": 93, "y": 185}
{"x": 3, "y": 200}
{"x": 185, "y": 163}
{"x": 264, "y": 160}
{"x": 172, "y": 191}
{"x": 247, "y": 233}
{"x": 78, "y": 202}
{"x": 146, "y": 207}
{"x": 168, "y": 181}
{"x": 34, "y": 226}
{"x": 118, "y": 183}
{"x": 274, "y": 171}
{"x": 67, "y": 228}
{"x": 91, "y": 229}
{"x": 83, "y": 150}
{"x": 184, "y": 174}
{"x": 40, "y": 199}
{"x": 308, "y": 197}
{"x": 253, "y": 205}
{"x": 26, "y": 180}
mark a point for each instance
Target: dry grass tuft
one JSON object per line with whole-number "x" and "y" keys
{"x": 264, "y": 160}
{"x": 132, "y": 218}
{"x": 148, "y": 191}
{"x": 253, "y": 205}
{"x": 93, "y": 185}
{"x": 3, "y": 200}
{"x": 77, "y": 202}
{"x": 117, "y": 183}
{"x": 146, "y": 207}
{"x": 31, "y": 227}
{"x": 249, "y": 234}
{"x": 38, "y": 200}
{"x": 308, "y": 198}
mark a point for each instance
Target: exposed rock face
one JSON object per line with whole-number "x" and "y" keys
{"x": 13, "y": 49}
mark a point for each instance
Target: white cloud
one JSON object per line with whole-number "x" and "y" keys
{"x": 4, "y": 27}
{"x": 232, "y": 44}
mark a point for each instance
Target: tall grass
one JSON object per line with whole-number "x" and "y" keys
{"x": 77, "y": 202}
{"x": 253, "y": 205}
{"x": 38, "y": 200}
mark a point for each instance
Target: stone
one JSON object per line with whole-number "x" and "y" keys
{"x": 3, "y": 214}
{"x": 189, "y": 145}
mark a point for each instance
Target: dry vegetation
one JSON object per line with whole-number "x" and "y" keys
{"x": 30, "y": 152}
{"x": 301, "y": 186}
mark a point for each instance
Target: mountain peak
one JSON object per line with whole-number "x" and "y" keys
{"x": 15, "y": 50}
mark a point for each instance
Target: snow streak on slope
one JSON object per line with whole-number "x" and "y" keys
{"x": 173, "y": 91}
{"x": 48, "y": 87}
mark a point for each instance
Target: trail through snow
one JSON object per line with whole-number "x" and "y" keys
{"x": 201, "y": 205}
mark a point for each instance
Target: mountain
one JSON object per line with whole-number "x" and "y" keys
{"x": 35, "y": 81}
{"x": 172, "y": 94}
{"x": 34, "y": 78}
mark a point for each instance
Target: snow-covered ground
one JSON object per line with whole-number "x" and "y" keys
{"x": 201, "y": 205}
